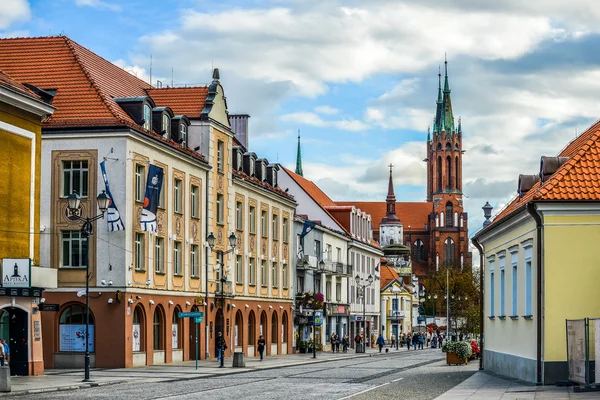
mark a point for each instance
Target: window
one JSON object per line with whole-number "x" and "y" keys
{"x": 147, "y": 117}
{"x": 71, "y": 325}
{"x": 194, "y": 260}
{"x": 363, "y": 264}
{"x": 329, "y": 251}
{"x": 449, "y": 171}
{"x": 285, "y": 276}
{"x": 140, "y": 184}
{"x": 178, "y": 196}
{"x": 328, "y": 290}
{"x": 263, "y": 224}
{"x": 286, "y": 230}
{"x": 275, "y": 230}
{"x": 395, "y": 305}
{"x": 449, "y": 252}
{"x": 252, "y": 270}
{"x": 492, "y": 288}
{"x": 73, "y": 249}
{"x": 275, "y": 274}
{"x": 176, "y": 329}
{"x": 183, "y": 134}
{"x": 456, "y": 174}
{"x": 338, "y": 291}
{"x": 75, "y": 178}
{"x": 252, "y": 219}
{"x": 439, "y": 173}
{"x": 165, "y": 125}
{"x": 502, "y": 292}
{"x": 263, "y": 273}
{"x": 177, "y": 258}
{"x": 220, "y": 153}
{"x": 449, "y": 214}
{"x": 159, "y": 255}
{"x": 140, "y": 251}
{"x": 419, "y": 251}
{"x": 138, "y": 330}
{"x": 219, "y": 262}
{"x": 317, "y": 249}
{"x": 158, "y": 330}
{"x": 239, "y": 270}
{"x": 318, "y": 283}
{"x": 528, "y": 288}
{"x": 239, "y": 212}
{"x": 515, "y": 284}
{"x": 220, "y": 208}
{"x": 338, "y": 257}
{"x": 161, "y": 196}
{"x": 195, "y": 200}
{"x": 300, "y": 288}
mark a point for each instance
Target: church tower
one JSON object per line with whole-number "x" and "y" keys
{"x": 448, "y": 222}
{"x": 390, "y": 228}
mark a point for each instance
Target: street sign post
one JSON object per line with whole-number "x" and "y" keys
{"x": 197, "y": 315}
{"x": 197, "y": 320}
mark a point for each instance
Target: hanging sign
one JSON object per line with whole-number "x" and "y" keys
{"x": 16, "y": 272}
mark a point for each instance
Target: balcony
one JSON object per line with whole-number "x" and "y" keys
{"x": 396, "y": 315}
{"x": 228, "y": 288}
{"x": 339, "y": 268}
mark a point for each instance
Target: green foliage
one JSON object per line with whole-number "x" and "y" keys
{"x": 310, "y": 300}
{"x": 461, "y": 349}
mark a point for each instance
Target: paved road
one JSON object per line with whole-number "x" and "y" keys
{"x": 399, "y": 375}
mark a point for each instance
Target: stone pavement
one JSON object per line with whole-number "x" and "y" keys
{"x": 70, "y": 379}
{"x": 483, "y": 385}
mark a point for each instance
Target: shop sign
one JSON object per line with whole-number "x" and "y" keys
{"x": 72, "y": 338}
{"x": 49, "y": 307}
{"x": 16, "y": 272}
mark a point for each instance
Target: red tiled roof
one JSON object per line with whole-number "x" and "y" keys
{"x": 183, "y": 101}
{"x": 7, "y": 81}
{"x": 387, "y": 275}
{"x": 413, "y": 214}
{"x": 85, "y": 83}
{"x": 577, "y": 179}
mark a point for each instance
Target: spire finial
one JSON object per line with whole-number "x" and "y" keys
{"x": 446, "y": 85}
{"x": 439, "y": 100}
{"x": 391, "y": 166}
{"x": 299, "y": 158}
{"x": 216, "y": 75}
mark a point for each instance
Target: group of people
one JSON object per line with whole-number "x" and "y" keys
{"x": 335, "y": 343}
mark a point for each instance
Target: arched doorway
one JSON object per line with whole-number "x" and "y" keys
{"x": 176, "y": 335}
{"x": 284, "y": 333}
{"x": 238, "y": 332}
{"x": 274, "y": 337}
{"x": 72, "y": 337}
{"x": 193, "y": 337}
{"x": 138, "y": 334}
{"x": 158, "y": 335}
{"x": 218, "y": 328}
{"x": 251, "y": 334}
{"x": 14, "y": 329}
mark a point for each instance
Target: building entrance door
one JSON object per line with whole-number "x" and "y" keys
{"x": 18, "y": 341}
{"x": 193, "y": 338}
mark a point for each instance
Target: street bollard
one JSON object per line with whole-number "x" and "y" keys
{"x": 5, "y": 384}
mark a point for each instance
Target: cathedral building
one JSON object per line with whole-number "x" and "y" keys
{"x": 436, "y": 229}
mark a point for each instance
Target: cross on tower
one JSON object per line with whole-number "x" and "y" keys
{"x": 391, "y": 166}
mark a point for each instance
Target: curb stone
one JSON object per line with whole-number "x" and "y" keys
{"x": 60, "y": 388}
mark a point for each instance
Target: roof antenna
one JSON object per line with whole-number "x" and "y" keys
{"x": 172, "y": 77}
{"x": 150, "y": 69}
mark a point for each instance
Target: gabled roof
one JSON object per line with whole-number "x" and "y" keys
{"x": 413, "y": 214}
{"x": 9, "y": 82}
{"x": 577, "y": 179}
{"x": 387, "y": 276}
{"x": 182, "y": 100}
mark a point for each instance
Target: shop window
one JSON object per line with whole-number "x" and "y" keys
{"x": 71, "y": 329}
{"x": 158, "y": 329}
{"x": 176, "y": 329}
{"x": 138, "y": 343}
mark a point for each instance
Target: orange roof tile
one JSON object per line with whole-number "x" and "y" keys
{"x": 577, "y": 179}
{"x": 9, "y": 82}
{"x": 183, "y": 101}
{"x": 387, "y": 275}
{"x": 311, "y": 189}
{"x": 264, "y": 185}
{"x": 413, "y": 214}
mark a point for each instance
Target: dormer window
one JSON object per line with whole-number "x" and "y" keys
{"x": 183, "y": 134}
{"x": 147, "y": 117}
{"x": 165, "y": 125}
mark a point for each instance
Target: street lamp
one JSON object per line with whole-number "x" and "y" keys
{"x": 397, "y": 290}
{"x": 220, "y": 255}
{"x": 320, "y": 268}
{"x": 73, "y": 202}
{"x": 435, "y": 297}
{"x": 361, "y": 292}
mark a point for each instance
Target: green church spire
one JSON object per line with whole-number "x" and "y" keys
{"x": 448, "y": 117}
{"x": 440, "y": 99}
{"x": 299, "y": 158}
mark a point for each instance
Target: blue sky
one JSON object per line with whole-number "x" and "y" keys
{"x": 359, "y": 79}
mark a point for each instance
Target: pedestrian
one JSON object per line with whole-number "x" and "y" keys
{"x": 337, "y": 343}
{"x": 441, "y": 340}
{"x": 221, "y": 347}
{"x": 345, "y": 343}
{"x": 393, "y": 340}
{"x": 332, "y": 340}
{"x": 415, "y": 340}
{"x": 408, "y": 341}
{"x": 261, "y": 346}
{"x": 380, "y": 342}
{"x": 434, "y": 342}
{"x": 421, "y": 341}
{"x": 2, "y": 354}
{"x": 6, "y": 350}
{"x": 475, "y": 348}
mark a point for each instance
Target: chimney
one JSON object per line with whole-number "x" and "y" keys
{"x": 239, "y": 126}
{"x": 487, "y": 213}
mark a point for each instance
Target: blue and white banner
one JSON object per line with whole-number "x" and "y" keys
{"x": 306, "y": 228}
{"x": 113, "y": 218}
{"x": 153, "y": 187}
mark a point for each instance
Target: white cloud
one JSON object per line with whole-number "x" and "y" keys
{"x": 309, "y": 118}
{"x": 326, "y": 110}
{"x": 98, "y": 4}
{"x": 14, "y": 11}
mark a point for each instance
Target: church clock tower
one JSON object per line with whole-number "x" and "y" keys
{"x": 390, "y": 228}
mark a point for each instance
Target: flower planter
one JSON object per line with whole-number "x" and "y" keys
{"x": 453, "y": 359}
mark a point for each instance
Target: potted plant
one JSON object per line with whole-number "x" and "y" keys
{"x": 302, "y": 346}
{"x": 457, "y": 352}
{"x": 310, "y": 345}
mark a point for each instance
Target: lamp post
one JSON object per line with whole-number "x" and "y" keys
{"x": 362, "y": 286}
{"x": 220, "y": 254}
{"x": 435, "y": 297}
{"x": 86, "y": 230}
{"x": 396, "y": 290}
{"x": 320, "y": 268}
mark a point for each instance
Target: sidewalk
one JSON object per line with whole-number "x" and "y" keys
{"x": 70, "y": 379}
{"x": 483, "y": 385}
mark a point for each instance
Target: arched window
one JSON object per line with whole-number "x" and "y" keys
{"x": 419, "y": 251}
{"x": 449, "y": 252}
{"x": 274, "y": 323}
{"x": 251, "y": 329}
{"x": 449, "y": 171}
{"x": 439, "y": 173}
{"x": 138, "y": 332}
{"x": 238, "y": 330}
{"x": 439, "y": 146}
{"x": 158, "y": 328}
{"x": 71, "y": 326}
{"x": 263, "y": 325}
{"x": 448, "y": 146}
{"x": 456, "y": 174}
{"x": 284, "y": 328}
{"x": 176, "y": 329}
{"x": 449, "y": 214}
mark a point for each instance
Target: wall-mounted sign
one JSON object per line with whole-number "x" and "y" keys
{"x": 49, "y": 307}
{"x": 21, "y": 292}
{"x": 16, "y": 272}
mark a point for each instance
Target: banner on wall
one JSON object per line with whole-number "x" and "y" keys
{"x": 72, "y": 338}
{"x": 151, "y": 198}
{"x": 113, "y": 218}
{"x": 136, "y": 337}
{"x": 174, "y": 336}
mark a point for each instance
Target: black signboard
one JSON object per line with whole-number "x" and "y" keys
{"x": 21, "y": 292}
{"x": 48, "y": 307}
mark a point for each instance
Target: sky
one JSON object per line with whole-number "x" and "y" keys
{"x": 359, "y": 78}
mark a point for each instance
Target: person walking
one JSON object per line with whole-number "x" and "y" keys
{"x": 345, "y": 343}
{"x": 380, "y": 342}
{"x": 441, "y": 340}
{"x": 6, "y": 350}
{"x": 393, "y": 340}
{"x": 358, "y": 341}
{"x": 221, "y": 347}
{"x": 434, "y": 342}
{"x": 421, "y": 341}
{"x": 415, "y": 340}
{"x": 2, "y": 354}
{"x": 408, "y": 341}
{"x": 261, "y": 346}
{"x": 337, "y": 343}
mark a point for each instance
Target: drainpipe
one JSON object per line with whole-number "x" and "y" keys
{"x": 531, "y": 209}
{"x": 481, "y": 297}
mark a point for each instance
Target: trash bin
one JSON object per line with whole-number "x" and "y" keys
{"x": 238, "y": 360}
{"x": 5, "y": 379}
